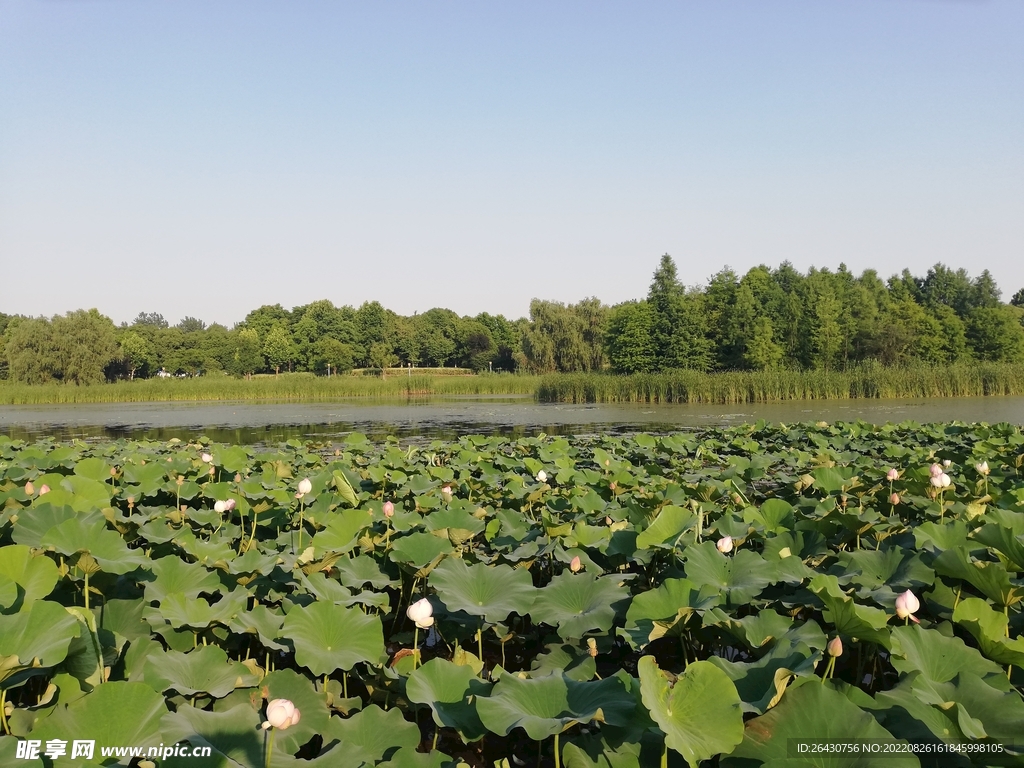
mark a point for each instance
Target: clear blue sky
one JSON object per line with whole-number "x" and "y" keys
{"x": 203, "y": 158}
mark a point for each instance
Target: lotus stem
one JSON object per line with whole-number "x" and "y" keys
{"x": 437, "y": 732}
{"x": 416, "y": 647}
{"x": 558, "y": 757}
{"x": 480, "y": 646}
{"x": 270, "y": 747}
{"x": 3, "y": 711}
{"x": 664, "y": 755}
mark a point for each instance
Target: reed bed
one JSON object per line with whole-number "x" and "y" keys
{"x": 734, "y": 387}
{"x": 301, "y": 387}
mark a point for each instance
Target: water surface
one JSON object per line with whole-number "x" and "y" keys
{"x": 446, "y": 417}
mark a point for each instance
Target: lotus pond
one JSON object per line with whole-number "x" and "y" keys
{"x": 703, "y": 597}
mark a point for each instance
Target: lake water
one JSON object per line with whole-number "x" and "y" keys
{"x": 447, "y": 417}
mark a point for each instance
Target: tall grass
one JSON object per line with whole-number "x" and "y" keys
{"x": 868, "y": 381}
{"x": 300, "y": 387}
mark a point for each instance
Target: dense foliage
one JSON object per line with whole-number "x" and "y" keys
{"x": 597, "y": 602}
{"x": 765, "y": 320}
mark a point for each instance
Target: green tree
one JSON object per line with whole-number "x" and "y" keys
{"x": 1018, "y": 298}
{"x": 84, "y": 345}
{"x": 337, "y": 355}
{"x": 382, "y": 356}
{"x": 29, "y": 351}
{"x": 995, "y": 333}
{"x": 630, "y": 338}
{"x": 152, "y": 319}
{"x": 135, "y": 351}
{"x": 191, "y": 325}
{"x": 248, "y": 353}
{"x": 761, "y": 351}
{"x": 278, "y": 348}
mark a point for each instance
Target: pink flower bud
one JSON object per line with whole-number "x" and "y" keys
{"x": 389, "y": 509}
{"x": 29, "y": 489}
{"x": 230, "y": 504}
{"x": 907, "y": 605}
{"x": 725, "y": 545}
{"x": 281, "y": 714}
{"x": 894, "y": 499}
{"x": 935, "y": 470}
{"x": 576, "y": 566}
{"x": 44, "y": 489}
{"x": 835, "y": 646}
{"x": 207, "y": 458}
{"x": 891, "y": 475}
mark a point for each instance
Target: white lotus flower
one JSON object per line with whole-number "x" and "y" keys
{"x": 907, "y": 605}
{"x": 207, "y": 458}
{"x": 281, "y": 714}
{"x": 936, "y": 480}
{"x": 725, "y": 545}
{"x": 305, "y": 486}
{"x": 982, "y": 468}
{"x": 946, "y": 463}
{"x": 220, "y": 507}
{"x": 421, "y": 613}
{"x": 542, "y": 476}
{"x": 944, "y": 480}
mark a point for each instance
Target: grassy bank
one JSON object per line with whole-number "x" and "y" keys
{"x": 775, "y": 386}
{"x": 676, "y": 387}
{"x": 303, "y": 387}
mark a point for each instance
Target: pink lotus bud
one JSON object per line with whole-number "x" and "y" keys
{"x": 935, "y": 470}
{"x": 447, "y": 491}
{"x": 238, "y": 477}
{"x": 29, "y": 489}
{"x": 576, "y": 566}
{"x": 113, "y": 471}
{"x": 229, "y": 505}
{"x": 835, "y": 646}
{"x": 44, "y": 489}
{"x": 613, "y": 485}
{"x": 891, "y": 475}
{"x": 907, "y": 605}
{"x": 281, "y": 714}
{"x": 894, "y": 499}
{"x": 725, "y": 545}
{"x": 389, "y": 509}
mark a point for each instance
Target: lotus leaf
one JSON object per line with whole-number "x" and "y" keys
{"x": 328, "y": 638}
{"x": 481, "y": 590}
{"x": 989, "y": 628}
{"x": 579, "y": 603}
{"x": 204, "y": 670}
{"x": 372, "y": 734}
{"x": 449, "y": 690}
{"x": 33, "y": 576}
{"x": 699, "y": 711}
{"x": 739, "y": 578}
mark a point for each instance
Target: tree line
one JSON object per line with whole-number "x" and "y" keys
{"x": 768, "y": 318}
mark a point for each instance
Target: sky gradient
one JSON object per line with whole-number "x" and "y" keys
{"x": 204, "y": 158}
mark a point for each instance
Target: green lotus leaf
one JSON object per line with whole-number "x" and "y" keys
{"x": 774, "y": 516}
{"x": 196, "y": 614}
{"x": 666, "y": 528}
{"x": 233, "y": 458}
{"x": 832, "y": 479}
{"x": 262, "y": 621}
{"x": 454, "y": 517}
{"x": 937, "y": 657}
{"x": 9, "y": 754}
{"x": 989, "y": 628}
{"x": 1005, "y": 540}
{"x": 897, "y": 569}
{"x": 850, "y": 619}
{"x": 990, "y": 578}
{"x": 288, "y": 684}
{"x": 809, "y": 710}
{"x": 579, "y": 603}
{"x": 665, "y": 610}
{"x": 761, "y": 683}
{"x": 986, "y": 712}
{"x": 113, "y": 714}
{"x": 42, "y": 631}
{"x": 94, "y": 468}
{"x": 34, "y": 576}
{"x": 449, "y": 691}
{"x": 357, "y": 572}
{"x": 203, "y": 670}
{"x": 562, "y": 658}
{"x": 699, "y": 711}
{"x": 344, "y": 487}
{"x": 341, "y": 530}
{"x": 372, "y": 734}
{"x": 598, "y": 753}
{"x": 233, "y": 736}
{"x": 544, "y": 706}
{"x": 30, "y": 529}
{"x": 406, "y": 757}
{"x": 420, "y": 549}
{"x": 483, "y": 590}
{"x": 80, "y": 534}
{"x": 172, "y": 574}
{"x": 328, "y": 638}
{"x": 739, "y": 578}
{"x": 755, "y": 631}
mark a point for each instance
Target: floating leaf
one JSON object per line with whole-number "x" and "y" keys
{"x": 328, "y": 638}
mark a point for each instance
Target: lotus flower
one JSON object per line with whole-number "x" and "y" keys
{"x": 220, "y": 507}
{"x": 29, "y": 489}
{"x": 421, "y": 613}
{"x": 892, "y": 474}
{"x": 209, "y": 460}
{"x": 575, "y": 565}
{"x": 613, "y": 485}
{"x": 982, "y": 468}
{"x": 281, "y": 714}
{"x": 936, "y": 480}
{"x": 946, "y": 463}
{"x": 835, "y": 647}
{"x": 305, "y": 486}
{"x": 44, "y": 489}
{"x": 907, "y": 605}
{"x": 935, "y": 470}
{"x": 229, "y": 505}
{"x": 944, "y": 480}
{"x": 389, "y": 509}
{"x": 542, "y": 476}
{"x": 894, "y": 499}
{"x": 592, "y": 647}
{"x": 725, "y": 545}
{"x": 238, "y": 477}
{"x": 446, "y": 491}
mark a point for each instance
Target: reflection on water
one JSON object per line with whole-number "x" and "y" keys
{"x": 449, "y": 417}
